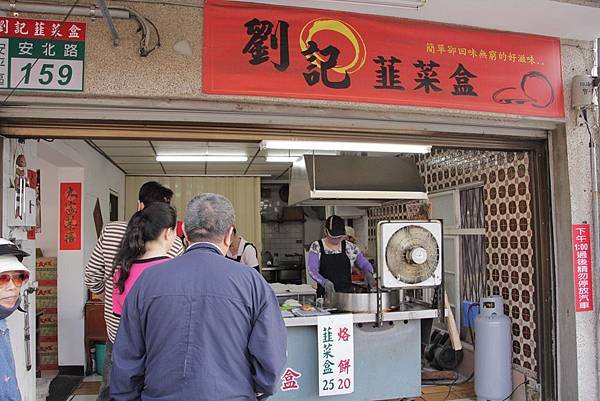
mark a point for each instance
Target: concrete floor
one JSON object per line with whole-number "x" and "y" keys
{"x": 88, "y": 390}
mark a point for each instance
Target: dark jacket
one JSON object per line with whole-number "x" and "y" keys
{"x": 199, "y": 328}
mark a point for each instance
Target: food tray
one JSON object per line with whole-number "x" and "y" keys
{"x": 285, "y": 313}
{"x": 302, "y": 313}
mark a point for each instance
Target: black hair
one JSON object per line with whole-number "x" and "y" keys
{"x": 145, "y": 225}
{"x": 153, "y": 191}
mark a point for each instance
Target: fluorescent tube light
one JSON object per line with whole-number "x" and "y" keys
{"x": 282, "y": 159}
{"x": 346, "y": 146}
{"x": 200, "y": 158}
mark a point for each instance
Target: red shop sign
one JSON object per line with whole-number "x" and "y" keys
{"x": 289, "y": 52}
{"x": 582, "y": 268}
{"x": 70, "y": 216}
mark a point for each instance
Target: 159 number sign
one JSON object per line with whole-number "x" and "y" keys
{"x": 46, "y": 75}
{"x": 41, "y": 55}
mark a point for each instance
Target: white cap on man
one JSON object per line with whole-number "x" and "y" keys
{"x": 11, "y": 256}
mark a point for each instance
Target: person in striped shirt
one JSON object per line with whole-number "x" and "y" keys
{"x": 99, "y": 269}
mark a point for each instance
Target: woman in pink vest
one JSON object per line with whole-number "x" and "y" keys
{"x": 149, "y": 236}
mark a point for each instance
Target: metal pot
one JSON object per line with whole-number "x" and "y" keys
{"x": 366, "y": 302}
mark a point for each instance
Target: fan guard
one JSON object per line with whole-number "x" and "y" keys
{"x": 412, "y": 254}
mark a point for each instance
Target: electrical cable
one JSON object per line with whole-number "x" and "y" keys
{"x": 157, "y": 35}
{"x": 515, "y": 389}
{"x": 143, "y": 22}
{"x": 587, "y": 124}
{"x": 40, "y": 55}
{"x": 450, "y": 388}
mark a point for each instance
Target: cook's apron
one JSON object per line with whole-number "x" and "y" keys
{"x": 336, "y": 268}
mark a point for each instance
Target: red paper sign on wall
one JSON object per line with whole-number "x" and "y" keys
{"x": 70, "y": 216}
{"x": 290, "y": 52}
{"x": 582, "y": 268}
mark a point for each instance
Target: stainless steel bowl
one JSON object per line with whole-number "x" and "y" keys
{"x": 366, "y": 302}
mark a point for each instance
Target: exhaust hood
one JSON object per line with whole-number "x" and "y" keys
{"x": 320, "y": 180}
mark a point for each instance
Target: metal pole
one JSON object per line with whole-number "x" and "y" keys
{"x": 109, "y": 22}
{"x": 27, "y": 334}
{"x": 596, "y": 226}
{"x": 81, "y": 11}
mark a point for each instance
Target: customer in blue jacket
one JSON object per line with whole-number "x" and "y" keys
{"x": 13, "y": 275}
{"x": 200, "y": 327}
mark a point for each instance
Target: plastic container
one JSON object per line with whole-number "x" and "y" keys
{"x": 470, "y": 310}
{"x": 100, "y": 355}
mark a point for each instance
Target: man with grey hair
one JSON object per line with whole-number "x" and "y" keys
{"x": 200, "y": 327}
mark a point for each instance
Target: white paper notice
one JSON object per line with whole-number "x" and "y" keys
{"x": 336, "y": 354}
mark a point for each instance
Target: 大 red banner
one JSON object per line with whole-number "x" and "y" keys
{"x": 70, "y": 216}
{"x": 582, "y": 268}
{"x": 289, "y": 52}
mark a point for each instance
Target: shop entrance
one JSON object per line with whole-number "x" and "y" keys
{"x": 493, "y": 195}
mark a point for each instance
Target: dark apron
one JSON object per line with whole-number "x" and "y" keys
{"x": 239, "y": 257}
{"x": 335, "y": 268}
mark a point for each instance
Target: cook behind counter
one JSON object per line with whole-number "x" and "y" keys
{"x": 357, "y": 258}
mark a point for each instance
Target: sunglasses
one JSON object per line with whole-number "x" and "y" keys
{"x": 19, "y": 279}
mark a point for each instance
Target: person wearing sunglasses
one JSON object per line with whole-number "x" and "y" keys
{"x": 13, "y": 275}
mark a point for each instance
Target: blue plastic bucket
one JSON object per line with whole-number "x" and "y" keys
{"x": 100, "y": 354}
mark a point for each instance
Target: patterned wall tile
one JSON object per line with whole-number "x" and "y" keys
{"x": 509, "y": 248}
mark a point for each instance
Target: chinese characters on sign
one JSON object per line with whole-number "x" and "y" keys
{"x": 70, "y": 216}
{"x": 261, "y": 31}
{"x": 290, "y": 52}
{"x": 484, "y": 54}
{"x": 336, "y": 355}
{"x": 59, "y": 46}
{"x": 289, "y": 380}
{"x": 582, "y": 268}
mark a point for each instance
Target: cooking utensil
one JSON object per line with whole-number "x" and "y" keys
{"x": 366, "y": 302}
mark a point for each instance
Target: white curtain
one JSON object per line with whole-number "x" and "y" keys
{"x": 243, "y": 192}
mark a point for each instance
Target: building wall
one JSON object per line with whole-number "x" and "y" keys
{"x": 47, "y": 239}
{"x": 166, "y": 75}
{"x": 67, "y": 161}
{"x": 577, "y": 59}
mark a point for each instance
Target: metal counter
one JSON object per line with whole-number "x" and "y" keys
{"x": 416, "y": 314}
{"x": 387, "y": 360}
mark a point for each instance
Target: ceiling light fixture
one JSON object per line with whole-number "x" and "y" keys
{"x": 201, "y": 158}
{"x": 346, "y": 146}
{"x": 282, "y": 159}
